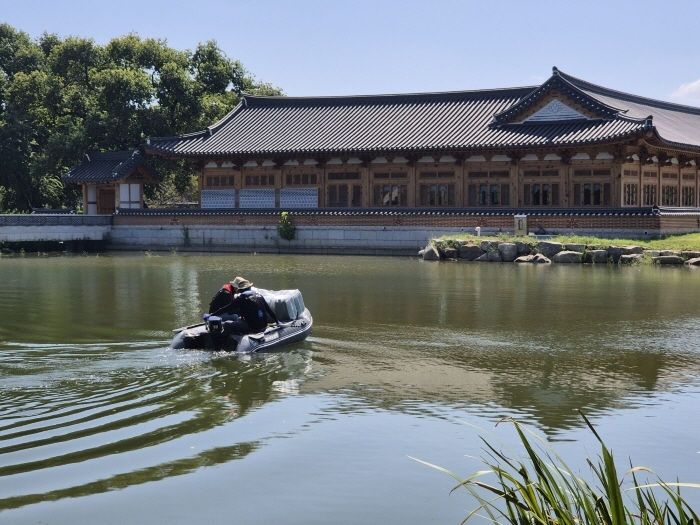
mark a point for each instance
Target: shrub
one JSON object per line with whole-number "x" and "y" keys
{"x": 286, "y": 228}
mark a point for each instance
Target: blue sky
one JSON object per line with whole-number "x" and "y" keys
{"x": 337, "y": 47}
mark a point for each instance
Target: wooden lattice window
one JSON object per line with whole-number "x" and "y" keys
{"x": 541, "y": 194}
{"x": 630, "y": 195}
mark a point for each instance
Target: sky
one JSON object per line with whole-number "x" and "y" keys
{"x": 339, "y": 47}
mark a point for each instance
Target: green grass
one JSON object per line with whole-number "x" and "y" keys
{"x": 542, "y": 490}
{"x": 686, "y": 242}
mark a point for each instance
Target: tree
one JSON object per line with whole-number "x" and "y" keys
{"x": 62, "y": 97}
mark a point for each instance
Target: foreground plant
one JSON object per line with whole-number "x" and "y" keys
{"x": 542, "y": 490}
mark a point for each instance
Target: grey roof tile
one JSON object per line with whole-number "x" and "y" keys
{"x": 453, "y": 121}
{"x": 107, "y": 167}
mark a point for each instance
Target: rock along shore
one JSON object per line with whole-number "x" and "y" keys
{"x": 546, "y": 252}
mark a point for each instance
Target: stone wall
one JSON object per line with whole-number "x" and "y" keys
{"x": 360, "y": 240}
{"x": 59, "y": 227}
{"x": 343, "y": 231}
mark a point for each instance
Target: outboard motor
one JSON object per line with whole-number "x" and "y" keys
{"x": 214, "y": 324}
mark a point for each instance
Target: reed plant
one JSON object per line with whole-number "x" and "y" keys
{"x": 541, "y": 489}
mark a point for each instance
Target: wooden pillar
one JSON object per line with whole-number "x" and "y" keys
{"x": 200, "y": 184}
{"x": 617, "y": 182}
{"x": 85, "y": 199}
{"x": 569, "y": 186}
{"x": 413, "y": 163}
{"x": 696, "y": 198}
{"x": 117, "y": 194}
{"x": 323, "y": 186}
{"x": 641, "y": 181}
{"x": 679, "y": 187}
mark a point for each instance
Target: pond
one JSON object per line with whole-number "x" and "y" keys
{"x": 100, "y": 422}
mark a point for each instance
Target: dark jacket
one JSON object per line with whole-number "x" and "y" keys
{"x": 252, "y": 307}
{"x": 223, "y": 298}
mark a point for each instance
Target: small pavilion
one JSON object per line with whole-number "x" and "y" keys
{"x": 112, "y": 180}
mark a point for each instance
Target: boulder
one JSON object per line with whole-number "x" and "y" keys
{"x": 431, "y": 253}
{"x": 666, "y": 253}
{"x": 470, "y": 252}
{"x": 548, "y": 249}
{"x": 576, "y": 247}
{"x": 631, "y": 250}
{"x": 668, "y": 259}
{"x": 566, "y": 257}
{"x": 523, "y": 248}
{"x": 596, "y": 256}
{"x": 494, "y": 256}
{"x": 690, "y": 255}
{"x": 420, "y": 253}
{"x": 508, "y": 251}
{"x": 537, "y": 258}
{"x": 652, "y": 253}
{"x": 630, "y": 258}
{"x": 489, "y": 245}
{"x": 615, "y": 252}
{"x": 450, "y": 253}
{"x": 693, "y": 262}
{"x": 482, "y": 258}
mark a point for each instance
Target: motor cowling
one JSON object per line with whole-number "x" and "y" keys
{"x": 215, "y": 325}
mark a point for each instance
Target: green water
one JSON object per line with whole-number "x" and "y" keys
{"x": 101, "y": 423}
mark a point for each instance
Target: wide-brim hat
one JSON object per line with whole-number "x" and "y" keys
{"x": 241, "y": 283}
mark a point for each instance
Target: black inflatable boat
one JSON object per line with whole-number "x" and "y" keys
{"x": 289, "y": 307}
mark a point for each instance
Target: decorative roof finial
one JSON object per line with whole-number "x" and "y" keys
{"x": 555, "y": 71}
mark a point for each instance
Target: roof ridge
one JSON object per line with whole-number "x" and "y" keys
{"x": 96, "y": 155}
{"x": 602, "y": 90}
{"x": 385, "y": 96}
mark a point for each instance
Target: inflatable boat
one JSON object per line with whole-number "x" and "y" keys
{"x": 288, "y": 305}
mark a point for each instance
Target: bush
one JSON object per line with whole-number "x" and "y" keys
{"x": 286, "y": 228}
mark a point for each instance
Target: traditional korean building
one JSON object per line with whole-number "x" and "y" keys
{"x": 112, "y": 181}
{"x": 564, "y": 144}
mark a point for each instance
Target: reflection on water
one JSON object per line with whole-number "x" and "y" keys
{"x": 93, "y": 402}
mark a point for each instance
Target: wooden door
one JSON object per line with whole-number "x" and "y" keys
{"x": 105, "y": 201}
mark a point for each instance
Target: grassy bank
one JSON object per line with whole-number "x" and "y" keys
{"x": 686, "y": 242}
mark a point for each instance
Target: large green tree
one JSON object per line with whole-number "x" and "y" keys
{"x": 61, "y": 97}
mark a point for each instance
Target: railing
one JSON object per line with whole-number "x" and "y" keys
{"x": 59, "y": 219}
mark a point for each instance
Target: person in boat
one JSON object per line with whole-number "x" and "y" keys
{"x": 251, "y": 308}
{"x": 221, "y": 302}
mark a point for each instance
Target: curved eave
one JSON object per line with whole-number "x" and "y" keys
{"x": 662, "y": 143}
{"x": 403, "y": 151}
{"x": 195, "y": 134}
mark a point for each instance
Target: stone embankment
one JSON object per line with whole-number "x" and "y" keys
{"x": 552, "y": 252}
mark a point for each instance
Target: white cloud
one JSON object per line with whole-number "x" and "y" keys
{"x": 690, "y": 91}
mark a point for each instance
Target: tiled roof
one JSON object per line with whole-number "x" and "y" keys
{"x": 676, "y": 125}
{"x": 430, "y": 122}
{"x": 107, "y": 167}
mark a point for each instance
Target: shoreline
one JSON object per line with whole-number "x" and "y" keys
{"x": 559, "y": 249}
